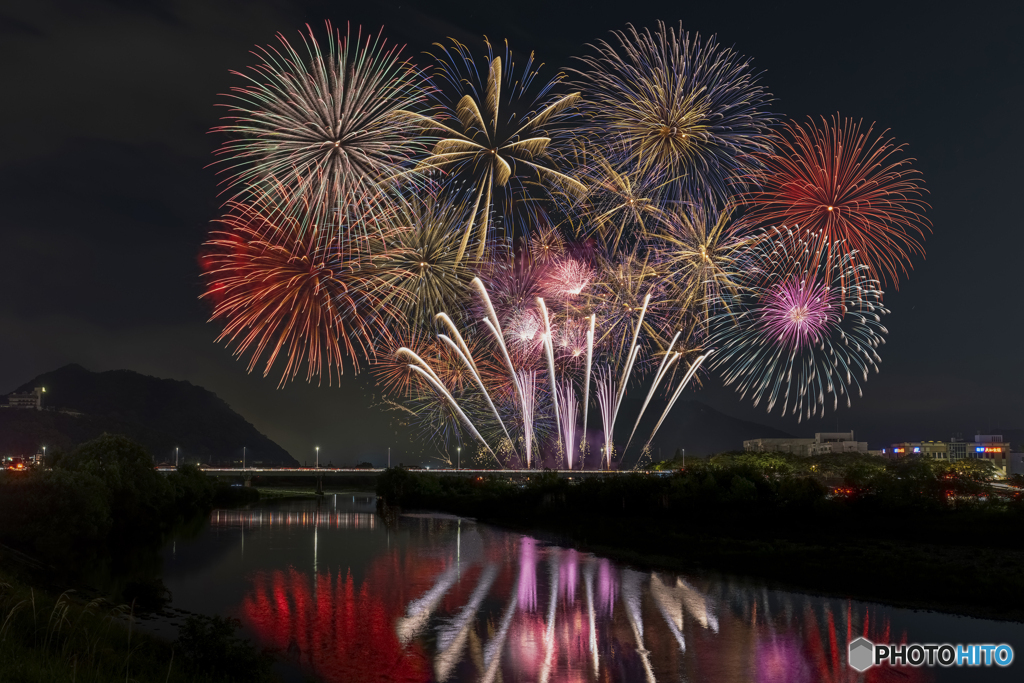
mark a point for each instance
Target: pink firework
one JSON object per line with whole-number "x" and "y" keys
{"x": 526, "y": 330}
{"x": 570, "y": 338}
{"x": 798, "y": 312}
{"x": 568, "y": 278}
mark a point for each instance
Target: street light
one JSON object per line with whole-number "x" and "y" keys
{"x": 44, "y": 450}
{"x": 175, "y": 457}
{"x": 318, "y": 457}
{"x": 243, "y": 457}
{"x": 458, "y": 463}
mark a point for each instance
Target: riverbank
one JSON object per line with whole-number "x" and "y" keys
{"x": 79, "y": 565}
{"x": 789, "y": 532}
{"x": 47, "y": 637}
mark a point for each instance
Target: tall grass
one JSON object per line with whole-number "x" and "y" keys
{"x": 45, "y": 639}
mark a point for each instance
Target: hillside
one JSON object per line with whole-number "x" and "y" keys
{"x": 161, "y": 414}
{"x": 702, "y": 430}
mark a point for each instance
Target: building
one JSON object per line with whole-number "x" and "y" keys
{"x": 1016, "y": 463}
{"x": 837, "y": 442}
{"x": 794, "y": 446}
{"x": 956, "y": 449}
{"x": 936, "y": 450}
{"x": 32, "y": 399}
{"x": 823, "y": 442}
{"x": 992, "y": 448}
{"x": 988, "y": 446}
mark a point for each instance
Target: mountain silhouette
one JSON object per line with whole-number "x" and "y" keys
{"x": 160, "y": 414}
{"x": 702, "y": 430}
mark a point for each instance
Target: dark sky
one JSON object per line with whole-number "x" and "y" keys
{"x": 105, "y": 196}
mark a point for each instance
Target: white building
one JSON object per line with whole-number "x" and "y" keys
{"x": 823, "y": 442}
{"x": 32, "y": 399}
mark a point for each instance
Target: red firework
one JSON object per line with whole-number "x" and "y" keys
{"x": 833, "y": 183}
{"x": 282, "y": 292}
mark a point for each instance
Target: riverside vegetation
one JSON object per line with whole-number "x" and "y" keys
{"x": 915, "y": 532}
{"x": 89, "y": 506}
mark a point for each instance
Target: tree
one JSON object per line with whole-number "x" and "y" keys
{"x": 138, "y": 495}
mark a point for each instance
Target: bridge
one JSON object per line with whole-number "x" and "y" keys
{"x": 320, "y": 473}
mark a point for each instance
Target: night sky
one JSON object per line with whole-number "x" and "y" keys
{"x": 105, "y": 194}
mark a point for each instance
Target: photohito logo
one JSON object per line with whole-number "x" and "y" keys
{"x": 863, "y": 654}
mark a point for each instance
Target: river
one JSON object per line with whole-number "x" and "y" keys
{"x": 342, "y": 597}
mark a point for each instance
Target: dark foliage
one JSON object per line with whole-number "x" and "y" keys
{"x": 210, "y": 650}
{"x": 854, "y": 524}
{"x": 105, "y": 490}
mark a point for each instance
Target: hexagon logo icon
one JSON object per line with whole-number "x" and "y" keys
{"x": 861, "y": 654}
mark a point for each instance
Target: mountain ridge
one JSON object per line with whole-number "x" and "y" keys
{"x": 159, "y": 413}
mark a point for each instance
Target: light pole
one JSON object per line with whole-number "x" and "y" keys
{"x": 44, "y": 456}
{"x": 175, "y": 457}
{"x": 318, "y": 457}
{"x": 458, "y": 463}
{"x": 243, "y": 457}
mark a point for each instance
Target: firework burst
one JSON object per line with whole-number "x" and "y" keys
{"x": 620, "y": 199}
{"x": 685, "y": 107}
{"x": 315, "y": 128}
{"x": 280, "y": 292}
{"x": 482, "y": 142}
{"x": 797, "y": 332}
{"x": 837, "y": 183}
{"x": 420, "y": 267}
{"x": 700, "y": 253}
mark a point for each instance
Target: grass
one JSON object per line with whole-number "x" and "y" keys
{"x": 46, "y": 638}
{"x": 43, "y": 638}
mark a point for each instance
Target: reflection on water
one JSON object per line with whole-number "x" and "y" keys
{"x": 346, "y": 598}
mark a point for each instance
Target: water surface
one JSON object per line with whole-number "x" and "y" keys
{"x": 345, "y": 598}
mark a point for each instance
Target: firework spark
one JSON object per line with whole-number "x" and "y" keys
{"x": 700, "y": 253}
{"x": 837, "y": 183}
{"x": 484, "y": 143}
{"x": 316, "y": 128}
{"x": 283, "y": 292}
{"x": 420, "y": 266}
{"x": 798, "y": 332}
{"x": 683, "y": 106}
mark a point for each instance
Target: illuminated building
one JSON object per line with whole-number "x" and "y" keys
{"x": 992, "y": 448}
{"x": 988, "y": 446}
{"x": 31, "y": 399}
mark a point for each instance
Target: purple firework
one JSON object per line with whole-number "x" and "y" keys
{"x": 800, "y": 331}
{"x": 798, "y": 312}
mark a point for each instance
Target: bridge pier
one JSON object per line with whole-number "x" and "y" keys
{"x": 320, "y": 485}
{"x": 248, "y": 480}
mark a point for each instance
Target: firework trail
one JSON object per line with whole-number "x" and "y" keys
{"x": 666, "y": 364}
{"x": 586, "y": 380}
{"x": 804, "y": 327}
{"x": 605, "y": 384}
{"x": 528, "y": 382}
{"x": 836, "y": 183}
{"x": 569, "y": 409}
{"x": 694, "y": 367}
